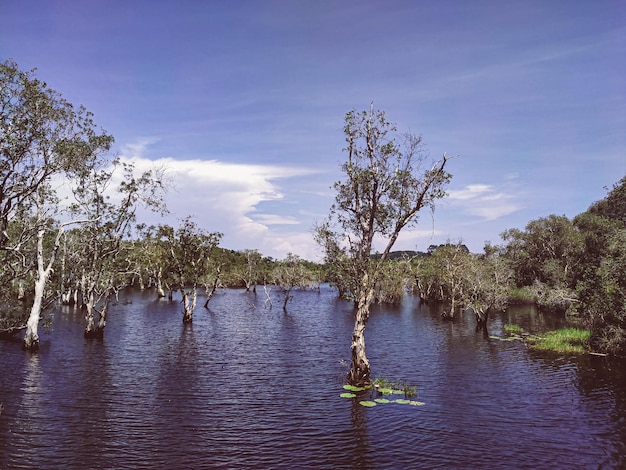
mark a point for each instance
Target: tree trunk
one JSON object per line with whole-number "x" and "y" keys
{"x": 482, "y": 315}
{"x": 211, "y": 292}
{"x": 31, "y": 339}
{"x": 159, "y": 283}
{"x": 92, "y": 330}
{"x": 189, "y": 305}
{"x": 286, "y": 299}
{"x": 359, "y": 375}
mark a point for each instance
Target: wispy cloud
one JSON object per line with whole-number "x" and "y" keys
{"x": 484, "y": 201}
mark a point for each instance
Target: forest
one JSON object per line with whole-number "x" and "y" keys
{"x": 83, "y": 245}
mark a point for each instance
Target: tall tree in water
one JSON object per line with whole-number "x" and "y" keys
{"x": 388, "y": 180}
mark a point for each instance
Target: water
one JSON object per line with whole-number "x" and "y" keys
{"x": 249, "y": 387}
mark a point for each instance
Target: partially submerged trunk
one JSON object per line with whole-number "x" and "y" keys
{"x": 93, "y": 330}
{"x": 189, "y": 304}
{"x": 159, "y": 284}
{"x": 31, "y": 339}
{"x": 482, "y": 315}
{"x": 360, "y": 366}
{"x": 287, "y": 294}
{"x": 210, "y": 292}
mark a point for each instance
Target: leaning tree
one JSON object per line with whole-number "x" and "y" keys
{"x": 388, "y": 180}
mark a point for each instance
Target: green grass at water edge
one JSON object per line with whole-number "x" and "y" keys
{"x": 565, "y": 340}
{"x": 512, "y": 329}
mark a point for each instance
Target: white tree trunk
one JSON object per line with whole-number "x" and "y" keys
{"x": 31, "y": 339}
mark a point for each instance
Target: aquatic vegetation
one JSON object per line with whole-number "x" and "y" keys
{"x": 510, "y": 338}
{"x": 379, "y": 389}
{"x": 367, "y": 403}
{"x": 565, "y": 340}
{"x": 388, "y": 387}
{"x": 512, "y": 329}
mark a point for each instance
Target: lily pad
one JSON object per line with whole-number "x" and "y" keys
{"x": 382, "y": 400}
{"x": 417, "y": 403}
{"x": 367, "y": 403}
{"x": 352, "y": 388}
{"x": 403, "y": 401}
{"x": 347, "y": 395}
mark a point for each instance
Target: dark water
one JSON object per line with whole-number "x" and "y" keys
{"x": 248, "y": 387}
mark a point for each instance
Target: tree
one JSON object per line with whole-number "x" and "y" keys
{"x": 613, "y": 206}
{"x": 386, "y": 184}
{"x": 290, "y": 274}
{"x": 489, "y": 280}
{"x": 250, "y": 272}
{"x": 41, "y": 136}
{"x": 601, "y": 286}
{"x": 110, "y": 213}
{"x": 189, "y": 251}
{"x": 545, "y": 258}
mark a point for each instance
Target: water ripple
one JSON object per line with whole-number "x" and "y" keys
{"x": 249, "y": 387}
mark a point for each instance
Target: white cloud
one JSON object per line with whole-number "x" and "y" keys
{"x": 471, "y": 191}
{"x": 274, "y": 219}
{"x": 224, "y": 197}
{"x": 484, "y": 201}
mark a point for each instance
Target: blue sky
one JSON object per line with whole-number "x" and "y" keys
{"x": 243, "y": 102}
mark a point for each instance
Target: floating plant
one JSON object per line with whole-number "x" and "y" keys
{"x": 367, "y": 403}
{"x": 382, "y": 387}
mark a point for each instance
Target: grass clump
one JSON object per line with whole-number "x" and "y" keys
{"x": 565, "y": 340}
{"x": 512, "y": 329}
{"x": 388, "y": 387}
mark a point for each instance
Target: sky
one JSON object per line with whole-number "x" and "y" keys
{"x": 242, "y": 102}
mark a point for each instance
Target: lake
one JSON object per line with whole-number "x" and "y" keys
{"x": 246, "y": 386}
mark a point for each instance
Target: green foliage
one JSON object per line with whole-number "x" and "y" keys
{"x": 290, "y": 274}
{"x": 461, "y": 279}
{"x": 578, "y": 266}
{"x": 548, "y": 251}
{"x": 613, "y": 206}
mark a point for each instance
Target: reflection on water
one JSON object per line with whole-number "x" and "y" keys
{"x": 248, "y": 387}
